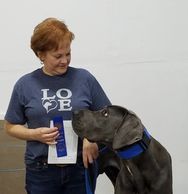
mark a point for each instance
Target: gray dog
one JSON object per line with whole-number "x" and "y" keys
{"x": 143, "y": 165}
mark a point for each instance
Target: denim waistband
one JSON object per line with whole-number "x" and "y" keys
{"x": 42, "y": 162}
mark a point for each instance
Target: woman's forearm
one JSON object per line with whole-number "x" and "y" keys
{"x": 43, "y": 134}
{"x": 19, "y": 131}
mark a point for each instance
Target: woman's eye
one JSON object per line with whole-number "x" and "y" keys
{"x": 58, "y": 56}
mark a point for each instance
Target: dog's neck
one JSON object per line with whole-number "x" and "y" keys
{"x": 136, "y": 148}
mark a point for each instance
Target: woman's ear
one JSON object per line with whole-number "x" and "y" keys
{"x": 40, "y": 55}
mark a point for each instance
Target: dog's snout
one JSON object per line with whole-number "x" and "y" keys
{"x": 76, "y": 112}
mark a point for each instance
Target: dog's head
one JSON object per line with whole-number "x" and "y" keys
{"x": 112, "y": 125}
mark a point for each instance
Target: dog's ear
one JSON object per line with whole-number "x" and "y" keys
{"x": 130, "y": 131}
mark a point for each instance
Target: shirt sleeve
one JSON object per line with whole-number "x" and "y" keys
{"x": 98, "y": 96}
{"x": 15, "y": 112}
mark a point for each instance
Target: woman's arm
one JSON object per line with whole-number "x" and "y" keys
{"x": 42, "y": 134}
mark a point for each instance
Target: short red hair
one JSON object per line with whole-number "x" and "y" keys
{"x": 49, "y": 34}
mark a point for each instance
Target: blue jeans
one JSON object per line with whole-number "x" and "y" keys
{"x": 43, "y": 178}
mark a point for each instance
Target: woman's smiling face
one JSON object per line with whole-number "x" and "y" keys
{"x": 56, "y": 62}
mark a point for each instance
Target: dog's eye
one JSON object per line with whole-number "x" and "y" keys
{"x": 105, "y": 113}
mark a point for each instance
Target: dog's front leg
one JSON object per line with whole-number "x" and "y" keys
{"x": 123, "y": 182}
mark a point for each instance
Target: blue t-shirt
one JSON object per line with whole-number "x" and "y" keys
{"x": 37, "y": 98}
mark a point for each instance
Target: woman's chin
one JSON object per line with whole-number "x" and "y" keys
{"x": 62, "y": 71}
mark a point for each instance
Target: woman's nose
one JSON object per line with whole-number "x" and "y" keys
{"x": 64, "y": 59}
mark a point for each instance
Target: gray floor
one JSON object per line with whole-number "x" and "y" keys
{"x": 12, "y": 173}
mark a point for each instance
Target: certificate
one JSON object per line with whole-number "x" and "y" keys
{"x": 71, "y": 145}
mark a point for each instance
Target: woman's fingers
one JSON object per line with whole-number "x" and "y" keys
{"x": 90, "y": 152}
{"x": 47, "y": 135}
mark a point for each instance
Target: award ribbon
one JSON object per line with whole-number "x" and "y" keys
{"x": 61, "y": 143}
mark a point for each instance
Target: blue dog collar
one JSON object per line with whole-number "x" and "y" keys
{"x": 137, "y": 148}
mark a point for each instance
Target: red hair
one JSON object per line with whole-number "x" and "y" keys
{"x": 49, "y": 34}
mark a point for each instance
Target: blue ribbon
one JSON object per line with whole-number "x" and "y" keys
{"x": 61, "y": 143}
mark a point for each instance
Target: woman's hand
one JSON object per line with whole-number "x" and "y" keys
{"x": 46, "y": 135}
{"x": 90, "y": 152}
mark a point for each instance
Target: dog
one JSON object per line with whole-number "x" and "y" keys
{"x": 140, "y": 164}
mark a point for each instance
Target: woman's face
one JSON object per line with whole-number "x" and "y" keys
{"x": 56, "y": 62}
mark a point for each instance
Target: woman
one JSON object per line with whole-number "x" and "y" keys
{"x": 39, "y": 96}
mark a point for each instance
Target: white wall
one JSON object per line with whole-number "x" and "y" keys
{"x": 138, "y": 50}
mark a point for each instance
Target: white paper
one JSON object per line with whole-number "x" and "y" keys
{"x": 71, "y": 144}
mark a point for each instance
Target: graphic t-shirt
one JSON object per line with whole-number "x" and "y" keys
{"x": 37, "y": 98}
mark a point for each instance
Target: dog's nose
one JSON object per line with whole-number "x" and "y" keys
{"x": 76, "y": 112}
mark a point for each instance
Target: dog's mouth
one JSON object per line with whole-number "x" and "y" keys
{"x": 80, "y": 129}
